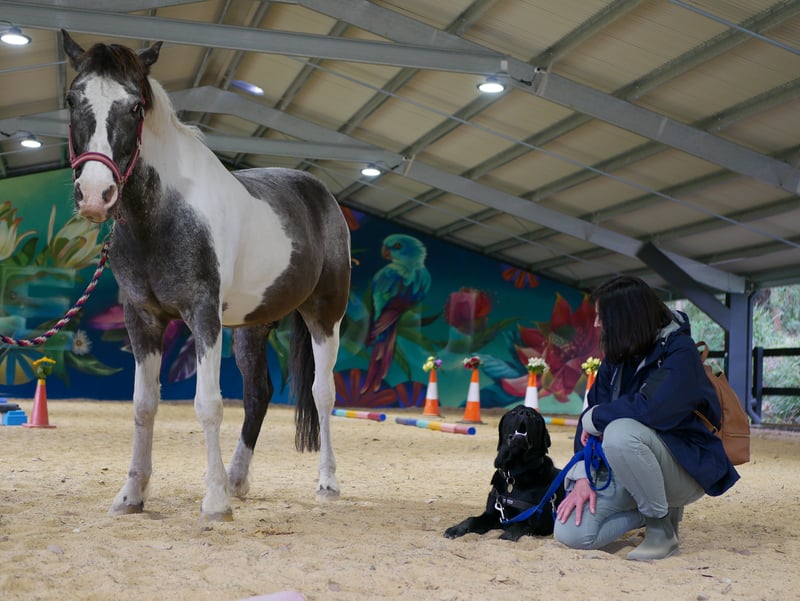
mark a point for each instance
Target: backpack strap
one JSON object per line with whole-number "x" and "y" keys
{"x": 702, "y": 348}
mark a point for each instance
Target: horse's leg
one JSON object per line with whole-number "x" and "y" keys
{"x": 325, "y": 349}
{"x": 146, "y": 343}
{"x": 251, "y": 357}
{"x": 216, "y": 505}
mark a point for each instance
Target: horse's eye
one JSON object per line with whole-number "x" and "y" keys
{"x": 69, "y": 100}
{"x": 138, "y": 108}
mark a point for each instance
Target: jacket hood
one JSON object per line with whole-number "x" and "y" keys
{"x": 679, "y": 323}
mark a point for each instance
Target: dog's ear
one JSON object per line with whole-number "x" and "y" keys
{"x": 539, "y": 435}
{"x": 500, "y": 430}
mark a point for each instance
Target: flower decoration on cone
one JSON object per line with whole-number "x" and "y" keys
{"x": 472, "y": 362}
{"x": 590, "y": 366}
{"x": 431, "y": 363}
{"x": 537, "y": 365}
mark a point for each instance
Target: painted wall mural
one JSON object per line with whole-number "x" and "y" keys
{"x": 411, "y": 297}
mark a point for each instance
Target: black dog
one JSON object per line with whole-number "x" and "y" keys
{"x": 524, "y": 473}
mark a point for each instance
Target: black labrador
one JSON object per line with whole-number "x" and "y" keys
{"x": 524, "y": 474}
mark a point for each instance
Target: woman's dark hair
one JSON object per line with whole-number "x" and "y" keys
{"x": 631, "y": 315}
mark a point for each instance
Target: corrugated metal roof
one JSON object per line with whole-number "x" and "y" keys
{"x": 675, "y": 122}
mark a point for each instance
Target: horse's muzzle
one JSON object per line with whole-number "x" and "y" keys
{"x": 95, "y": 206}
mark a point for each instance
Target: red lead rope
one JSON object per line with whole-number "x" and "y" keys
{"x": 71, "y": 313}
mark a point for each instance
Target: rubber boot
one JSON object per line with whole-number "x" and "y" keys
{"x": 660, "y": 540}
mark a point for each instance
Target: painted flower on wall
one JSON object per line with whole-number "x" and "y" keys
{"x": 81, "y": 345}
{"x": 9, "y": 224}
{"x": 348, "y": 391}
{"x": 468, "y": 310}
{"x": 565, "y": 342}
{"x": 74, "y": 246}
{"x": 35, "y": 287}
{"x": 519, "y": 277}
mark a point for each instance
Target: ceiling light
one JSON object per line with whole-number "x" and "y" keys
{"x": 246, "y": 86}
{"x": 370, "y": 171}
{"x": 13, "y": 36}
{"x": 491, "y": 85}
{"x": 30, "y": 141}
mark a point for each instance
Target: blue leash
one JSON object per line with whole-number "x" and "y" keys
{"x": 592, "y": 456}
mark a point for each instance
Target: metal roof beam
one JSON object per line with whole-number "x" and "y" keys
{"x": 121, "y": 6}
{"x": 214, "y": 100}
{"x": 765, "y": 211}
{"x": 259, "y": 40}
{"x": 638, "y": 203}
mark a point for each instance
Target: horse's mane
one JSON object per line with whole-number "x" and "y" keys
{"x": 162, "y": 114}
{"x": 123, "y": 64}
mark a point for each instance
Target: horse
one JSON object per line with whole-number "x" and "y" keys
{"x": 194, "y": 241}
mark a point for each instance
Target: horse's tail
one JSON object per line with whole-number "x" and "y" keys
{"x": 301, "y": 368}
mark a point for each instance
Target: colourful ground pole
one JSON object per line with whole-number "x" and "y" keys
{"x": 560, "y": 421}
{"x": 378, "y": 417}
{"x": 439, "y": 426}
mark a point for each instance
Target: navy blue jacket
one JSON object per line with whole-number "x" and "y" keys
{"x": 662, "y": 393}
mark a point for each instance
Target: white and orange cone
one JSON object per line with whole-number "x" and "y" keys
{"x": 432, "y": 397}
{"x": 589, "y": 382}
{"x": 532, "y": 392}
{"x": 472, "y": 412}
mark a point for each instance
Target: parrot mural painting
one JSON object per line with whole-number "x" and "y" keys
{"x": 395, "y": 289}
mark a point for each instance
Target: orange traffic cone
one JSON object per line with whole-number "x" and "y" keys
{"x": 532, "y": 392}
{"x": 472, "y": 412}
{"x": 432, "y": 397}
{"x": 39, "y": 417}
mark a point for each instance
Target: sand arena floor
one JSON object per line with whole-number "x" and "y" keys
{"x": 401, "y": 487}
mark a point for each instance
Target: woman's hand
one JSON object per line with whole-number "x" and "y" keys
{"x": 576, "y": 499}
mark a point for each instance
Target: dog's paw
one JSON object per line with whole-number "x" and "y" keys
{"x": 512, "y": 534}
{"x": 455, "y": 532}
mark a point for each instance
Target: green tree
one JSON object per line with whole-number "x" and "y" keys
{"x": 776, "y": 324}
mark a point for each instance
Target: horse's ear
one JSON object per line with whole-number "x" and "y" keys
{"x": 150, "y": 56}
{"x": 73, "y": 50}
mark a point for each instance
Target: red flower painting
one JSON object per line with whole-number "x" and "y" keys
{"x": 565, "y": 342}
{"x": 468, "y": 310}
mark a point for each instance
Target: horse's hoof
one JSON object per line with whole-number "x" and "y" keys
{"x": 327, "y": 494}
{"x": 126, "y": 509}
{"x": 216, "y": 516}
{"x": 239, "y": 489}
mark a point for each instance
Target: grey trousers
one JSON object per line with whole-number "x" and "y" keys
{"x": 646, "y": 481}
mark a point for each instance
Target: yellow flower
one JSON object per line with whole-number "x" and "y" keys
{"x": 591, "y": 365}
{"x": 431, "y": 363}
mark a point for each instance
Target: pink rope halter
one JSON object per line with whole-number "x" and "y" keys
{"x": 84, "y": 157}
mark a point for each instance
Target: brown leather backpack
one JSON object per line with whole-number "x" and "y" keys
{"x": 735, "y": 427}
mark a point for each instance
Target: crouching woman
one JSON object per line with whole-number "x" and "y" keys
{"x": 661, "y": 456}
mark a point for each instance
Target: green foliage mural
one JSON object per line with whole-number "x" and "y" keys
{"x": 39, "y": 270}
